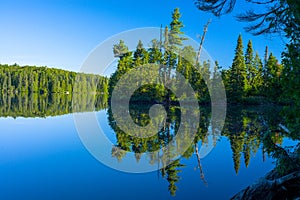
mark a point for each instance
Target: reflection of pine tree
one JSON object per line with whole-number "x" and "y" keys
{"x": 118, "y": 153}
{"x": 171, "y": 173}
{"x": 247, "y": 154}
{"x": 236, "y": 147}
{"x": 244, "y": 128}
{"x": 236, "y": 129}
{"x": 137, "y": 157}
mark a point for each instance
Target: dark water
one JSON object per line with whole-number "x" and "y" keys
{"x": 42, "y": 156}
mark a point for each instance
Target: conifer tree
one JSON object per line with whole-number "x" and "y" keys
{"x": 120, "y": 49}
{"x": 124, "y": 65}
{"x": 140, "y": 55}
{"x": 187, "y": 62}
{"x": 166, "y": 38}
{"x": 291, "y": 61}
{"x": 237, "y": 74}
{"x": 155, "y": 55}
{"x": 258, "y": 76}
{"x": 176, "y": 33}
{"x": 250, "y": 70}
{"x": 273, "y": 88}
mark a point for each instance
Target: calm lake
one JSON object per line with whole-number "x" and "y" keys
{"x": 42, "y": 156}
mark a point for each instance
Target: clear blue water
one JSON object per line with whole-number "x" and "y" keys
{"x": 43, "y": 158}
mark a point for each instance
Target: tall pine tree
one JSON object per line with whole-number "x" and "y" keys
{"x": 175, "y": 35}
{"x": 237, "y": 74}
{"x": 250, "y": 70}
{"x": 140, "y": 55}
{"x": 258, "y": 77}
{"x": 273, "y": 88}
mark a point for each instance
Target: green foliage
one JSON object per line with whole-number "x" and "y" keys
{"x": 175, "y": 35}
{"x": 140, "y": 56}
{"x": 53, "y": 104}
{"x": 291, "y": 56}
{"x": 155, "y": 55}
{"x": 257, "y": 76}
{"x": 285, "y": 161}
{"x": 247, "y": 81}
{"x": 120, "y": 49}
{"x": 252, "y": 128}
{"x": 172, "y": 175}
{"x": 251, "y": 71}
{"x": 171, "y": 57}
{"x": 237, "y": 74}
{"x": 247, "y": 129}
{"x": 250, "y": 82}
{"x": 124, "y": 65}
{"x": 164, "y": 136}
{"x": 272, "y": 85}
{"x": 30, "y": 79}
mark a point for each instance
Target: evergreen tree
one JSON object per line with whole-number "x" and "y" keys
{"x": 174, "y": 39}
{"x": 272, "y": 85}
{"x": 291, "y": 61}
{"x": 172, "y": 175}
{"x": 187, "y": 61}
{"x": 166, "y": 38}
{"x": 236, "y": 82}
{"x": 120, "y": 49}
{"x": 155, "y": 55}
{"x": 250, "y": 70}
{"x": 175, "y": 35}
{"x": 124, "y": 65}
{"x": 258, "y": 76}
{"x": 140, "y": 55}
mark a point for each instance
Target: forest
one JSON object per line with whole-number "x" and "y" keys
{"x": 54, "y": 104}
{"x": 248, "y": 129}
{"x": 15, "y": 79}
{"x": 31, "y": 91}
{"x": 249, "y": 80}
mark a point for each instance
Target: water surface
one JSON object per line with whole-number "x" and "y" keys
{"x": 42, "y": 157}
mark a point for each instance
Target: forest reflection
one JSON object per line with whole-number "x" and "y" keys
{"x": 249, "y": 130}
{"x": 53, "y": 104}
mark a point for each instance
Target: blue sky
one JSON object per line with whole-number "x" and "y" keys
{"x": 61, "y": 34}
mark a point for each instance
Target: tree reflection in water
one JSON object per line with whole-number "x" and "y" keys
{"x": 248, "y": 129}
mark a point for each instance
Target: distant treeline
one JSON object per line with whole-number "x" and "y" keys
{"x": 42, "y": 80}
